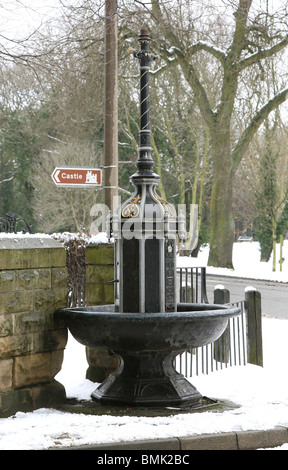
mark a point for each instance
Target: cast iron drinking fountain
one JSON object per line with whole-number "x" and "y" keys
{"x": 145, "y": 327}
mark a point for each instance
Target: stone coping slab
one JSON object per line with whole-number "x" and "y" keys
{"x": 20, "y": 241}
{"x": 28, "y": 251}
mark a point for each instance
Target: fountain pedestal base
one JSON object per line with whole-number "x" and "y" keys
{"x": 147, "y": 378}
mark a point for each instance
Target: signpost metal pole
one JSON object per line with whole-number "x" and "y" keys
{"x": 111, "y": 106}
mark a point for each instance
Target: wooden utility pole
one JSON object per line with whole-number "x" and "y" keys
{"x": 111, "y": 105}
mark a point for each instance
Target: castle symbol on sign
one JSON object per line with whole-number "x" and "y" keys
{"x": 90, "y": 178}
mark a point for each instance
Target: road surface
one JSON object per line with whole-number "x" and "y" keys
{"x": 274, "y": 295}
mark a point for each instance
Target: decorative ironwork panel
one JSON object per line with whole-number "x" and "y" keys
{"x": 12, "y": 223}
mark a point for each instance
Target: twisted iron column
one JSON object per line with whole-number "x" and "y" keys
{"x": 145, "y": 253}
{"x": 145, "y": 162}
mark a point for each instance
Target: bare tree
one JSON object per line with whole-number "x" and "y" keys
{"x": 266, "y": 175}
{"x": 235, "y": 36}
{"x": 63, "y": 208}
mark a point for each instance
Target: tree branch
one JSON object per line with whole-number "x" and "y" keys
{"x": 204, "y": 46}
{"x": 254, "y": 125}
{"x": 199, "y": 92}
{"x": 263, "y": 54}
{"x": 191, "y": 76}
{"x": 240, "y": 33}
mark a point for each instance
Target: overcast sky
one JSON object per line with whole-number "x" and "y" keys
{"x": 20, "y": 17}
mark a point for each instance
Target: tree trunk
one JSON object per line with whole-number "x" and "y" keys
{"x": 221, "y": 215}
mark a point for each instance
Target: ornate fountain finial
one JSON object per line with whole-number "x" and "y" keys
{"x": 145, "y": 162}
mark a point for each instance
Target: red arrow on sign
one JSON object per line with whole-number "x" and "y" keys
{"x": 77, "y": 177}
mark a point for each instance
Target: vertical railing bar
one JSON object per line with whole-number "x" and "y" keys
{"x": 204, "y": 298}
{"x": 225, "y": 352}
{"x": 202, "y": 360}
{"x": 186, "y": 285}
{"x": 221, "y": 353}
{"x": 234, "y": 339}
{"x": 237, "y": 342}
{"x": 192, "y": 285}
{"x": 230, "y": 345}
{"x": 238, "y": 338}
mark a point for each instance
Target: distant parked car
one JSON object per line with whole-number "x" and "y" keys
{"x": 244, "y": 238}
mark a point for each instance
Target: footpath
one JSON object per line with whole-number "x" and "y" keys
{"x": 238, "y": 440}
{"x": 243, "y": 440}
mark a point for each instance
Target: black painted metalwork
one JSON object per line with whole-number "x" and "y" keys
{"x": 145, "y": 327}
{"x": 192, "y": 284}
{"x": 12, "y": 223}
{"x": 146, "y": 345}
{"x": 145, "y": 162}
{"x": 146, "y": 224}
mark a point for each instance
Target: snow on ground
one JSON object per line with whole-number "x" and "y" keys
{"x": 261, "y": 393}
{"x": 246, "y": 262}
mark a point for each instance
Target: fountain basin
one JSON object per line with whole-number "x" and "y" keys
{"x": 146, "y": 345}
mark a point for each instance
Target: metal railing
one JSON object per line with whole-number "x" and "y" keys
{"x": 12, "y": 223}
{"x": 229, "y": 350}
{"x": 192, "y": 284}
{"x": 236, "y": 345}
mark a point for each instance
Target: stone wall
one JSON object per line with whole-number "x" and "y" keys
{"x": 99, "y": 259}
{"x": 33, "y": 284}
{"x": 99, "y": 291}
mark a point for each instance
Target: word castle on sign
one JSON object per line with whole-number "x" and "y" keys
{"x": 77, "y": 177}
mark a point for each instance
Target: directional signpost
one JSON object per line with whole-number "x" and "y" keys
{"x": 77, "y": 177}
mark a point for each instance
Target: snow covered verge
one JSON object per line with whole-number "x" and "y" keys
{"x": 246, "y": 262}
